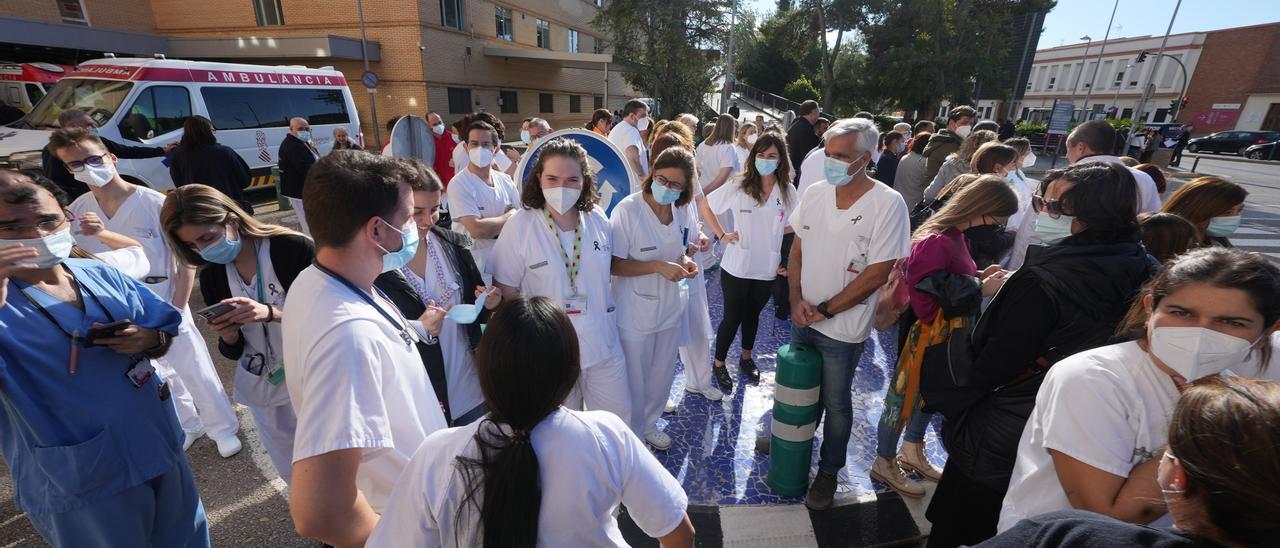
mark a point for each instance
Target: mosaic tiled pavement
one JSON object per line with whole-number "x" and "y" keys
{"x": 713, "y": 443}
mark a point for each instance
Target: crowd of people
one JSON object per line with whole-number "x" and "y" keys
{"x": 444, "y": 355}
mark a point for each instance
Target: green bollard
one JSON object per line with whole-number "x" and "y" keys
{"x": 795, "y": 418}
{"x": 280, "y": 198}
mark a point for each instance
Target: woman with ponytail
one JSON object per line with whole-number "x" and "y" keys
{"x": 532, "y": 473}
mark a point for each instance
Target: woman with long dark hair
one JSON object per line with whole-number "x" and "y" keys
{"x": 249, "y": 265}
{"x": 759, "y": 205}
{"x": 532, "y": 472}
{"x": 200, "y": 159}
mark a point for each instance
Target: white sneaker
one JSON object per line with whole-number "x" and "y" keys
{"x": 191, "y": 439}
{"x": 712, "y": 393}
{"x": 659, "y": 440}
{"x": 670, "y": 408}
{"x": 228, "y": 447}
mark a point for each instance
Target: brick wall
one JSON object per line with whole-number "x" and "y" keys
{"x": 128, "y": 15}
{"x": 1231, "y": 65}
{"x": 38, "y": 10}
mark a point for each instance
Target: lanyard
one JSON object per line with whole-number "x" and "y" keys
{"x": 257, "y": 264}
{"x": 570, "y": 265}
{"x": 445, "y": 290}
{"x": 404, "y": 332}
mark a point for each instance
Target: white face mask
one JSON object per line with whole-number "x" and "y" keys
{"x": 1029, "y": 160}
{"x": 751, "y": 139}
{"x": 50, "y": 250}
{"x": 480, "y": 156}
{"x": 1197, "y": 352}
{"x": 963, "y": 131}
{"x": 642, "y": 123}
{"x": 438, "y": 129}
{"x": 561, "y": 199}
{"x": 96, "y": 176}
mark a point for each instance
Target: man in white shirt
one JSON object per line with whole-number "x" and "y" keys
{"x": 626, "y": 134}
{"x": 849, "y": 230}
{"x": 1092, "y": 141}
{"x": 356, "y": 380}
{"x": 482, "y": 198}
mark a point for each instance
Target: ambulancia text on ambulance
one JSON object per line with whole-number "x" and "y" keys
{"x": 144, "y": 102}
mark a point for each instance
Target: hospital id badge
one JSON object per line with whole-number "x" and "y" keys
{"x": 855, "y": 267}
{"x": 276, "y": 377}
{"x": 576, "y": 304}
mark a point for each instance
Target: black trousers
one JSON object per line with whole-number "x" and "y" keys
{"x": 963, "y": 512}
{"x": 744, "y": 298}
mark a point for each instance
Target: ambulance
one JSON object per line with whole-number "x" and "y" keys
{"x": 22, "y": 85}
{"x": 144, "y": 102}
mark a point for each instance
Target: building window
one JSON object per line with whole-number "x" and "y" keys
{"x": 597, "y": 45}
{"x": 597, "y": 102}
{"x": 1119, "y": 79}
{"x": 1052, "y": 79}
{"x": 451, "y": 13}
{"x": 157, "y": 110}
{"x": 459, "y": 100}
{"x": 1126, "y": 113}
{"x": 1161, "y": 114}
{"x": 503, "y": 17}
{"x": 544, "y": 34}
{"x": 263, "y": 106}
{"x": 575, "y": 103}
{"x": 573, "y": 41}
{"x": 509, "y": 102}
{"x": 546, "y": 102}
{"x": 72, "y": 11}
{"x": 268, "y": 12}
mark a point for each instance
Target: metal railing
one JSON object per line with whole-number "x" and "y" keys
{"x": 765, "y": 100}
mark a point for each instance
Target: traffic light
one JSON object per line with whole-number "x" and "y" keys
{"x": 1142, "y": 57}
{"x": 1184, "y": 102}
{"x": 1173, "y": 105}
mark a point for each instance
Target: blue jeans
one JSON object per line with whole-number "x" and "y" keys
{"x": 887, "y": 435}
{"x": 839, "y": 360}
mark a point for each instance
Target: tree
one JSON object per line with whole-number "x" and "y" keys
{"x": 778, "y": 53}
{"x": 922, "y": 51}
{"x": 839, "y": 16}
{"x": 801, "y": 90}
{"x": 673, "y": 47}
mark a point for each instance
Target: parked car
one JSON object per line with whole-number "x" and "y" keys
{"x": 1235, "y": 142}
{"x": 1266, "y": 151}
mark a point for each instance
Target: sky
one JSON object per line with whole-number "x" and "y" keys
{"x": 1072, "y": 19}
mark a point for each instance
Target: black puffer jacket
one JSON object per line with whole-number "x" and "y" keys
{"x": 1067, "y": 298}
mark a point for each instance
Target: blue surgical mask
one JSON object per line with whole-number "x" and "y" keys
{"x": 901, "y": 147}
{"x": 222, "y": 252}
{"x": 766, "y": 167}
{"x": 393, "y": 260}
{"x": 467, "y": 313}
{"x": 304, "y": 135}
{"x": 1052, "y": 231}
{"x": 525, "y": 137}
{"x": 1221, "y": 227}
{"x": 836, "y": 171}
{"x": 662, "y": 194}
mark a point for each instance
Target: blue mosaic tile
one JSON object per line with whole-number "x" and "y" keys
{"x": 713, "y": 452}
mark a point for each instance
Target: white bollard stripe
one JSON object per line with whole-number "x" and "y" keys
{"x": 799, "y": 397}
{"x": 797, "y": 434}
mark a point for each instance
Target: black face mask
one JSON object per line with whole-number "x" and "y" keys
{"x": 988, "y": 244}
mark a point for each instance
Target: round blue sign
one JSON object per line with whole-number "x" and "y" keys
{"x": 614, "y": 178}
{"x": 369, "y": 79}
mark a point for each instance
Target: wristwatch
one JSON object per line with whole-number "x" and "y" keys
{"x": 822, "y": 309}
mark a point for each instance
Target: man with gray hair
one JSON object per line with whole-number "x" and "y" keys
{"x": 849, "y": 231}
{"x": 295, "y": 157}
{"x": 57, "y": 171}
{"x": 538, "y": 128}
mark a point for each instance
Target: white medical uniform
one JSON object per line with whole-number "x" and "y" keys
{"x": 626, "y": 135}
{"x": 355, "y": 382}
{"x": 696, "y": 334}
{"x": 1108, "y": 407}
{"x": 758, "y": 251}
{"x": 838, "y": 244}
{"x": 1148, "y": 193}
{"x": 743, "y": 153}
{"x": 471, "y": 196}
{"x": 197, "y": 391}
{"x": 268, "y": 403}
{"x": 460, "y": 373}
{"x": 130, "y": 261}
{"x": 710, "y": 159}
{"x": 1023, "y": 223}
{"x": 650, "y": 307}
{"x": 531, "y": 258}
{"x": 811, "y": 169}
{"x": 589, "y": 463}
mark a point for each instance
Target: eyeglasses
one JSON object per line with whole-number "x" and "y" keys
{"x": 1052, "y": 207}
{"x": 76, "y": 166}
{"x": 11, "y": 232}
{"x": 679, "y": 187}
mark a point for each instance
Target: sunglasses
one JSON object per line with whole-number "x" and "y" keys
{"x": 1052, "y": 207}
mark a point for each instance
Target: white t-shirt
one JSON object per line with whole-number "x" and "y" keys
{"x": 130, "y": 261}
{"x": 650, "y": 303}
{"x": 742, "y": 153}
{"x": 713, "y": 158}
{"x": 811, "y": 169}
{"x": 529, "y": 257}
{"x": 354, "y": 382}
{"x": 471, "y": 196}
{"x": 838, "y": 244}
{"x": 758, "y": 251}
{"x": 589, "y": 462}
{"x": 252, "y": 389}
{"x": 460, "y": 372}
{"x": 1148, "y": 193}
{"x": 460, "y": 159}
{"x": 1108, "y": 407}
{"x": 138, "y": 217}
{"x": 626, "y": 135}
{"x": 1023, "y": 223}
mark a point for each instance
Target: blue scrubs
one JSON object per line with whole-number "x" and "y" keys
{"x": 95, "y": 460}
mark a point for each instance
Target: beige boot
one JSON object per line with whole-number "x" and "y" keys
{"x": 911, "y": 457}
{"x": 888, "y": 472}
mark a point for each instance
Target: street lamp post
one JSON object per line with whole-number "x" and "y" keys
{"x": 1093, "y": 79}
{"x": 373, "y": 93}
{"x": 1083, "y": 65}
{"x": 1147, "y": 89}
